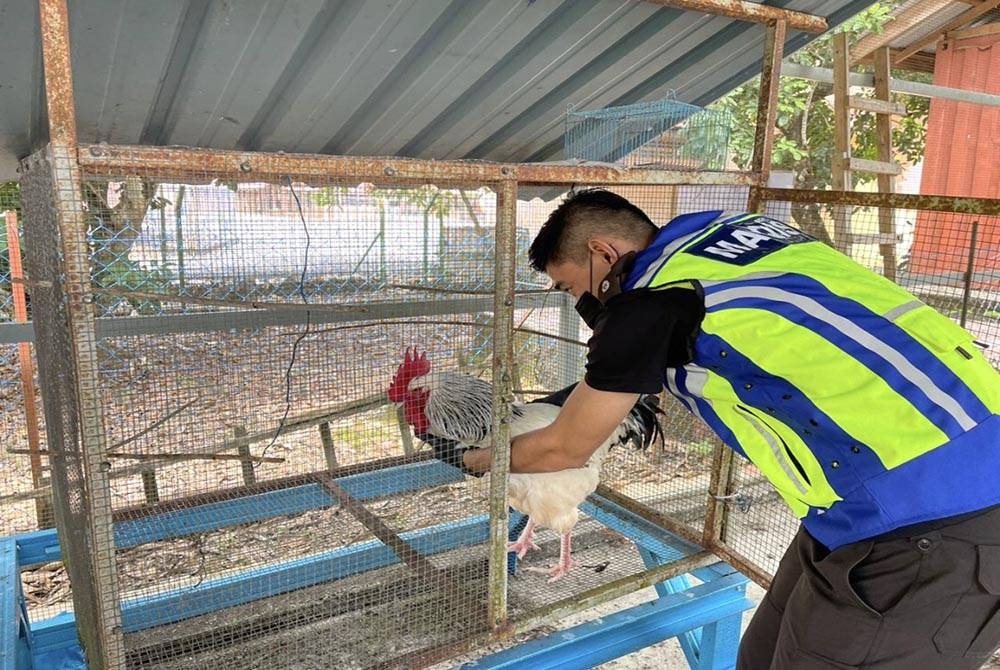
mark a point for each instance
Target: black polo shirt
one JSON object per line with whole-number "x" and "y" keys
{"x": 639, "y": 334}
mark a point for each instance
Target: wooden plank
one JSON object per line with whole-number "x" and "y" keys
{"x": 877, "y": 238}
{"x": 959, "y": 21}
{"x": 404, "y": 432}
{"x": 978, "y": 31}
{"x": 415, "y": 560}
{"x": 505, "y": 241}
{"x": 767, "y": 107}
{"x": 878, "y": 167}
{"x": 922, "y": 61}
{"x": 43, "y": 505}
{"x": 841, "y": 115}
{"x": 246, "y": 465}
{"x": 886, "y": 182}
{"x": 876, "y": 106}
{"x": 329, "y": 448}
{"x": 841, "y": 161}
{"x": 903, "y": 20}
{"x": 150, "y": 488}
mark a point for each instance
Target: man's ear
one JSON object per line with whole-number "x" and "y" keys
{"x": 603, "y": 248}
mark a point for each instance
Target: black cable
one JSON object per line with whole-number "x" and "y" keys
{"x": 303, "y": 334}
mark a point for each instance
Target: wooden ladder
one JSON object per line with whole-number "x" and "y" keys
{"x": 843, "y": 164}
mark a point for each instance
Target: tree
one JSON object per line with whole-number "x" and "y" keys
{"x": 803, "y": 139}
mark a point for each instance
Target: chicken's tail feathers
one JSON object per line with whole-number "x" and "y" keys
{"x": 642, "y": 425}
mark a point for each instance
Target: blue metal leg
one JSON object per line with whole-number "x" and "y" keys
{"x": 720, "y": 642}
{"x": 690, "y": 641}
{"x": 614, "y": 635}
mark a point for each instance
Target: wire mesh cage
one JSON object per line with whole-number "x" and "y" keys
{"x": 257, "y": 498}
{"x": 233, "y": 484}
{"x": 666, "y": 134}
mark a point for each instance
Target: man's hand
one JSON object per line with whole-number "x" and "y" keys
{"x": 477, "y": 462}
{"x": 449, "y": 452}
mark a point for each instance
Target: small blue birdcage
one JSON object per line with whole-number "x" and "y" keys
{"x": 664, "y": 134}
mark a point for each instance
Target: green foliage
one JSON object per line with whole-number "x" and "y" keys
{"x": 10, "y": 199}
{"x": 10, "y": 196}
{"x": 123, "y": 274}
{"x": 803, "y": 142}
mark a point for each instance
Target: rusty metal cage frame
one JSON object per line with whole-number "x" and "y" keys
{"x": 58, "y": 167}
{"x": 505, "y": 179}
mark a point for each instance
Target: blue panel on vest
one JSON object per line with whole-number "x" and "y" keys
{"x": 744, "y": 242}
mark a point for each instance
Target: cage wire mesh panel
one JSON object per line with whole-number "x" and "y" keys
{"x": 21, "y": 428}
{"x": 64, "y": 338}
{"x": 665, "y": 133}
{"x": 270, "y": 507}
{"x": 249, "y": 333}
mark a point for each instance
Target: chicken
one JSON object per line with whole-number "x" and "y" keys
{"x": 452, "y": 406}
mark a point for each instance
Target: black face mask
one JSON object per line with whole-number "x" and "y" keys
{"x": 590, "y": 309}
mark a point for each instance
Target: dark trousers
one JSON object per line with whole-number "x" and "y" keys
{"x": 926, "y": 602}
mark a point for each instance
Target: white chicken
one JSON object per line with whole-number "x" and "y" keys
{"x": 451, "y": 406}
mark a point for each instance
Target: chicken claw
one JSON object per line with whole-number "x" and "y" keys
{"x": 525, "y": 541}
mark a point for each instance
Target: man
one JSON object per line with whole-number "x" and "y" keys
{"x": 873, "y": 416}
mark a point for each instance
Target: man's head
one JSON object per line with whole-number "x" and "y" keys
{"x": 584, "y": 237}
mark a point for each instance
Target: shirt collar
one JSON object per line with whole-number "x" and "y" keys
{"x": 613, "y": 282}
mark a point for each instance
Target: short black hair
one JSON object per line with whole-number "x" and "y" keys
{"x": 594, "y": 208}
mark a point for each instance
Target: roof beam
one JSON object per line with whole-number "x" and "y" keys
{"x": 978, "y": 31}
{"x": 922, "y": 61}
{"x": 895, "y": 85}
{"x": 750, "y": 11}
{"x": 907, "y": 18}
{"x": 959, "y": 21}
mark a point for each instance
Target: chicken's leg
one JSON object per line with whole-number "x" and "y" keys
{"x": 525, "y": 541}
{"x": 559, "y": 570}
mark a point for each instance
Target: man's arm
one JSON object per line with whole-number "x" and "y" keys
{"x": 586, "y": 420}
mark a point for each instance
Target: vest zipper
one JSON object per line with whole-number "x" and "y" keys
{"x": 779, "y": 448}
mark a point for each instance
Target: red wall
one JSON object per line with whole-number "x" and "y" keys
{"x": 962, "y": 159}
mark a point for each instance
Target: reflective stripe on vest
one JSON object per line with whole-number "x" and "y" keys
{"x": 822, "y": 391}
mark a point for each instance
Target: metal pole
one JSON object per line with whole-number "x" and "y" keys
{"x": 753, "y": 12}
{"x": 185, "y": 165}
{"x": 895, "y": 85}
{"x": 43, "y": 506}
{"x": 767, "y": 108}
{"x": 163, "y": 235}
{"x": 381, "y": 243}
{"x": 503, "y": 321}
{"x": 179, "y": 235}
{"x": 103, "y": 639}
{"x": 968, "y": 272}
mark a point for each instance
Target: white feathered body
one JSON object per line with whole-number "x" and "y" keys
{"x": 459, "y": 408}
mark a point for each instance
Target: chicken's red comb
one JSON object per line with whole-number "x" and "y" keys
{"x": 414, "y": 365}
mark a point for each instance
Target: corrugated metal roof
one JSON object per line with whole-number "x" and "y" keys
{"x": 424, "y": 78}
